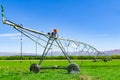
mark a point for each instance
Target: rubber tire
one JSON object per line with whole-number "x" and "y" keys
{"x": 34, "y": 68}
{"x": 73, "y": 68}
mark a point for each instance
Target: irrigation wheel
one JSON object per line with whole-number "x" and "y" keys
{"x": 34, "y": 68}
{"x": 73, "y": 68}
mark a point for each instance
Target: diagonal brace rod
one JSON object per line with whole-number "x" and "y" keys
{"x": 63, "y": 50}
{"x": 46, "y": 50}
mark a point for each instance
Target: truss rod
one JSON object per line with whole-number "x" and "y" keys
{"x": 29, "y": 37}
{"x": 36, "y": 37}
{"x": 8, "y": 22}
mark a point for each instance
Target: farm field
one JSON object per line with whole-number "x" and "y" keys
{"x": 14, "y": 70}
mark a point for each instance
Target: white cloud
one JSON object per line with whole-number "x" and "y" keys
{"x": 10, "y": 35}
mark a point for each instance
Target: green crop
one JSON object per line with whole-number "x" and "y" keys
{"x": 14, "y": 70}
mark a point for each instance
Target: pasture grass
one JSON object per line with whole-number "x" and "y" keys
{"x": 14, "y": 70}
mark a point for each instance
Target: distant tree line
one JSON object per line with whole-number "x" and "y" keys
{"x": 56, "y": 57}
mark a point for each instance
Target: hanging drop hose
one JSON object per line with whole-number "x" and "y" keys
{"x": 21, "y": 47}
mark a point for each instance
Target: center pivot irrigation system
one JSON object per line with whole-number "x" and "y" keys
{"x": 47, "y": 41}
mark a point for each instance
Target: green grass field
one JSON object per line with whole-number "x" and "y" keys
{"x": 14, "y": 70}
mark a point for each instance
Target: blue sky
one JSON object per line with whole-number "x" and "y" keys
{"x": 96, "y": 22}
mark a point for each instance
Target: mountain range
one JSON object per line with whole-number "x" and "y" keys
{"x": 58, "y": 53}
{"x": 113, "y": 52}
